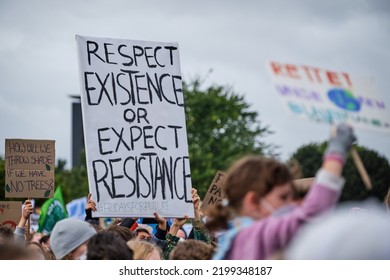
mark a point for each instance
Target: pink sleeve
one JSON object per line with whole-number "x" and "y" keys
{"x": 273, "y": 233}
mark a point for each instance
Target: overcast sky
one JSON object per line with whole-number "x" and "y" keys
{"x": 38, "y": 65}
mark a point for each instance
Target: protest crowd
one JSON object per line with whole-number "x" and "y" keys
{"x": 261, "y": 217}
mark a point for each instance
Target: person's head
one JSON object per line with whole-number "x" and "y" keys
{"x": 192, "y": 249}
{"x": 37, "y": 251}
{"x": 125, "y": 233}
{"x": 108, "y": 246}
{"x": 69, "y": 239}
{"x": 254, "y": 186}
{"x": 6, "y": 234}
{"x": 143, "y": 250}
{"x": 142, "y": 234}
{"x": 13, "y": 251}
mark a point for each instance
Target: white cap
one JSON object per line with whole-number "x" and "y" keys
{"x": 342, "y": 236}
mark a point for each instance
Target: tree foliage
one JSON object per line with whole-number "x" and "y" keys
{"x": 377, "y": 166}
{"x": 221, "y": 128}
{"x": 73, "y": 182}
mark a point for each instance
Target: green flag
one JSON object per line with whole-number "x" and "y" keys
{"x": 52, "y": 211}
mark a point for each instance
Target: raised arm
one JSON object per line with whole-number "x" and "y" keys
{"x": 199, "y": 229}
{"x": 275, "y": 232}
{"x": 20, "y": 230}
{"x": 172, "y": 239}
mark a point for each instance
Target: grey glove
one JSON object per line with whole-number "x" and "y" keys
{"x": 340, "y": 143}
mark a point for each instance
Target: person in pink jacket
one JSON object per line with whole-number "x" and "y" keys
{"x": 255, "y": 187}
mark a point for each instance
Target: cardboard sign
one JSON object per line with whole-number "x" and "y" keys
{"x": 10, "y": 213}
{"x": 215, "y": 193}
{"x": 29, "y": 168}
{"x": 134, "y": 128}
{"x": 321, "y": 95}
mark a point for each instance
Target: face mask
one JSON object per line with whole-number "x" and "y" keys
{"x": 84, "y": 255}
{"x": 267, "y": 206}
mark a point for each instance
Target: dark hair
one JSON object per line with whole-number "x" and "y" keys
{"x": 6, "y": 233}
{"x": 251, "y": 173}
{"x": 44, "y": 239}
{"x": 125, "y": 233}
{"x": 192, "y": 250}
{"x": 108, "y": 246}
{"x": 141, "y": 229}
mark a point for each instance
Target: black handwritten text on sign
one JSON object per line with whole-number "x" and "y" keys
{"x": 134, "y": 127}
{"x": 29, "y": 168}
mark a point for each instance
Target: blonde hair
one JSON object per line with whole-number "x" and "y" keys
{"x": 192, "y": 249}
{"x": 142, "y": 249}
{"x": 387, "y": 201}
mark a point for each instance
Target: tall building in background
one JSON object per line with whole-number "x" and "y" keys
{"x": 77, "y": 130}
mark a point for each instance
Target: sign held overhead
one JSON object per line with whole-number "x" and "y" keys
{"x": 326, "y": 96}
{"x": 134, "y": 127}
{"x": 29, "y": 168}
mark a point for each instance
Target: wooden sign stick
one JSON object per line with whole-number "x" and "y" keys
{"x": 28, "y": 225}
{"x": 361, "y": 169}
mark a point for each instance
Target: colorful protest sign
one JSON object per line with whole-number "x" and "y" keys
{"x": 10, "y": 213}
{"x": 326, "y": 96}
{"x": 52, "y": 211}
{"x": 215, "y": 192}
{"x": 29, "y": 168}
{"x": 134, "y": 128}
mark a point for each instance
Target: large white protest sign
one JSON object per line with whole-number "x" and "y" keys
{"x": 322, "y": 95}
{"x": 134, "y": 127}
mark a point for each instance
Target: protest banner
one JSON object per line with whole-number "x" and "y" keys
{"x": 10, "y": 213}
{"x": 215, "y": 193}
{"x": 321, "y": 95}
{"x": 29, "y": 168}
{"x": 134, "y": 128}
